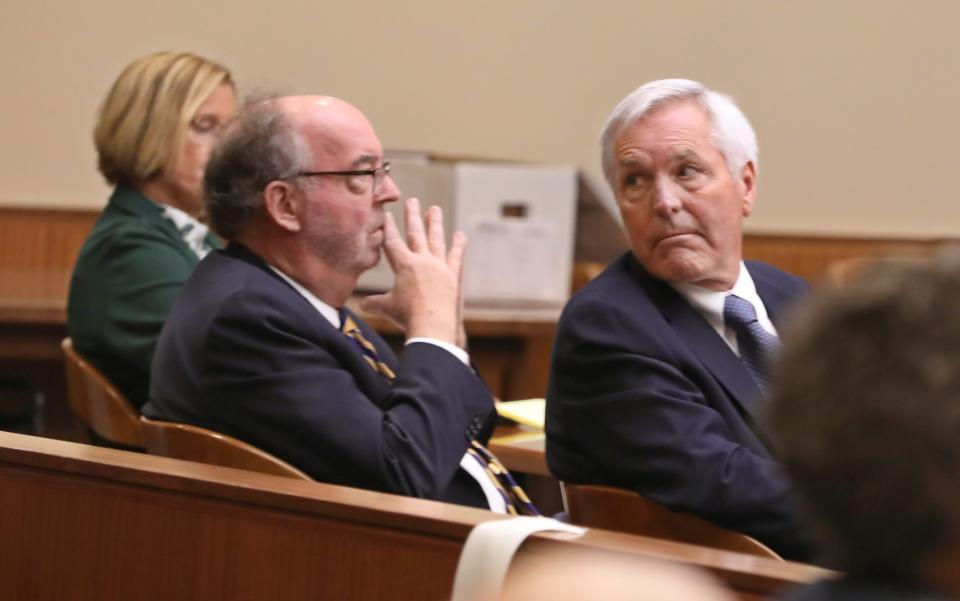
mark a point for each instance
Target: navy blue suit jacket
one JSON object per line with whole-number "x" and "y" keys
{"x": 243, "y": 353}
{"x": 644, "y": 394}
{"x": 852, "y": 589}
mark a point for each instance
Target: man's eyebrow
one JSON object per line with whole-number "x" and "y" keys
{"x": 686, "y": 154}
{"x": 632, "y": 161}
{"x": 364, "y": 159}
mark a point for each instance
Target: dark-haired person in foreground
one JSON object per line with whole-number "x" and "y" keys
{"x": 660, "y": 363}
{"x": 866, "y": 419}
{"x": 260, "y": 346}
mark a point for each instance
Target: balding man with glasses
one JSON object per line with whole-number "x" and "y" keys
{"x": 260, "y": 345}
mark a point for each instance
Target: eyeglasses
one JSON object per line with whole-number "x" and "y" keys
{"x": 377, "y": 174}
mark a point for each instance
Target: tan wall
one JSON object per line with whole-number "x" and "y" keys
{"x": 855, "y": 101}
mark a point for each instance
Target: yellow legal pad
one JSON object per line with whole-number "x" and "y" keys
{"x": 528, "y": 412}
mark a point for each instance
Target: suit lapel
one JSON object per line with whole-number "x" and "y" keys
{"x": 774, "y": 298}
{"x": 705, "y": 343}
{"x": 303, "y": 307}
{"x": 374, "y": 384}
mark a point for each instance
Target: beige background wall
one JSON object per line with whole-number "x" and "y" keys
{"x": 855, "y": 101}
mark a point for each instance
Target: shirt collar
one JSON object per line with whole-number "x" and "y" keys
{"x": 193, "y": 232}
{"x": 328, "y": 312}
{"x": 709, "y": 303}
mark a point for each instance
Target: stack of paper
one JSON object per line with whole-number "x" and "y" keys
{"x": 528, "y": 412}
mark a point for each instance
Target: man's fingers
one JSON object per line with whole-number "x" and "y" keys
{"x": 435, "y": 241}
{"x": 393, "y": 246}
{"x": 416, "y": 238}
{"x": 458, "y": 246}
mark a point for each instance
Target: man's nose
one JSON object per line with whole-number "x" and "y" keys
{"x": 667, "y": 196}
{"x": 387, "y": 191}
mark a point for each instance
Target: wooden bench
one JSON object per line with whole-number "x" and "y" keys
{"x": 83, "y": 523}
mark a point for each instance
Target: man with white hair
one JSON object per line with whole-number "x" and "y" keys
{"x": 660, "y": 364}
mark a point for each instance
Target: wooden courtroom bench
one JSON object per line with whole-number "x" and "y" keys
{"x": 86, "y": 523}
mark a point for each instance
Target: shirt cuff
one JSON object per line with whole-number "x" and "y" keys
{"x": 453, "y": 349}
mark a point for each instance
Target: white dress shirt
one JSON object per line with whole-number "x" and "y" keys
{"x": 709, "y": 304}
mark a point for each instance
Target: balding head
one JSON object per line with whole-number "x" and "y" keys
{"x": 338, "y": 134}
{"x": 275, "y": 139}
{"x": 321, "y": 115}
{"x": 300, "y": 180}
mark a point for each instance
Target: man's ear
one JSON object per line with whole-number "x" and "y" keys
{"x": 282, "y": 202}
{"x": 748, "y": 186}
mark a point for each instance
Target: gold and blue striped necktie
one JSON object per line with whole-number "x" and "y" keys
{"x": 515, "y": 498}
{"x": 351, "y": 330}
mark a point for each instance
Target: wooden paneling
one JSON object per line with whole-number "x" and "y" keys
{"x": 39, "y": 246}
{"x": 811, "y": 256}
{"x": 37, "y": 250}
{"x": 85, "y": 523}
{"x": 511, "y": 348}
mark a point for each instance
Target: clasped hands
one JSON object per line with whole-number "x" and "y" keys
{"x": 426, "y": 299}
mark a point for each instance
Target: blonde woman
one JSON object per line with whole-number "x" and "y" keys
{"x": 153, "y": 136}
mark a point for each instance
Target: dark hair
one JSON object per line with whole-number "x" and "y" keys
{"x": 258, "y": 147}
{"x": 866, "y": 415}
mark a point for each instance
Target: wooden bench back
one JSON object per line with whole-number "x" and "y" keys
{"x": 88, "y": 523}
{"x": 182, "y": 441}
{"x": 98, "y": 403}
{"x": 626, "y": 511}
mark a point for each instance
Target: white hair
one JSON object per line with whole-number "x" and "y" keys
{"x": 732, "y": 134}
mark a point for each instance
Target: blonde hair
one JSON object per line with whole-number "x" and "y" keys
{"x": 143, "y": 119}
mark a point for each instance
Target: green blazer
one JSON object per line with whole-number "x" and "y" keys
{"x": 129, "y": 271}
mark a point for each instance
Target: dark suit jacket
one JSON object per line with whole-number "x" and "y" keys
{"x": 245, "y": 354}
{"x": 129, "y": 271}
{"x": 644, "y": 394}
{"x": 851, "y": 589}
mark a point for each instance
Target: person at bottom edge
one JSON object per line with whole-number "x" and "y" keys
{"x": 865, "y": 416}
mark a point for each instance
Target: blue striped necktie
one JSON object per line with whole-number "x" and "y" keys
{"x": 757, "y": 346}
